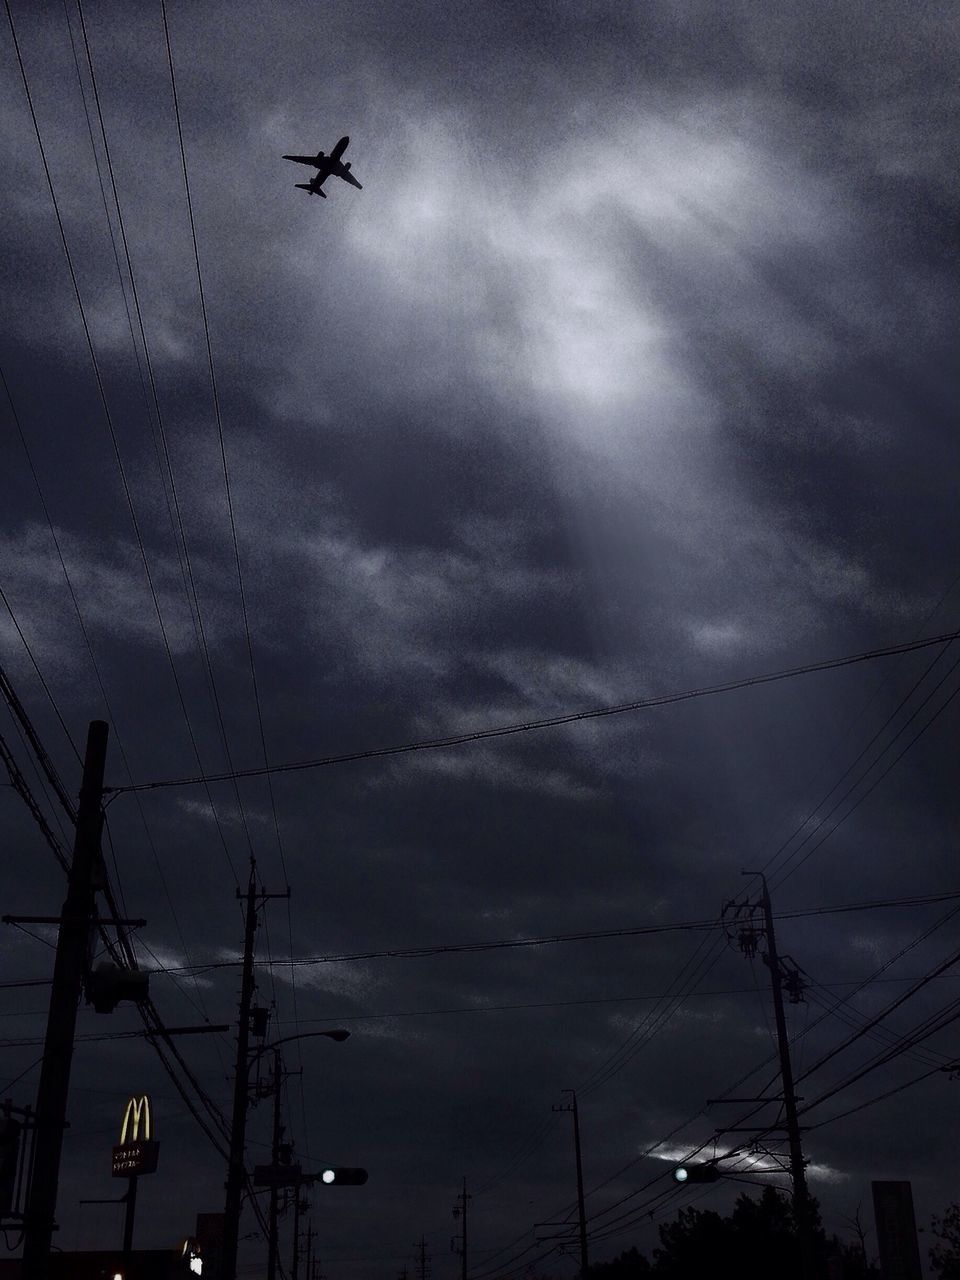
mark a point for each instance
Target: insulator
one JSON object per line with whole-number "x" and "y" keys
{"x": 794, "y": 985}
{"x": 749, "y": 940}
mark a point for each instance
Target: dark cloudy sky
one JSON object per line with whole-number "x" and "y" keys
{"x": 631, "y": 369}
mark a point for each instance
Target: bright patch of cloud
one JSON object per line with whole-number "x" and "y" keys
{"x": 222, "y": 813}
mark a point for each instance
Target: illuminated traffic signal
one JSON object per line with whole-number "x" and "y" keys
{"x": 108, "y": 984}
{"x": 343, "y": 1177}
{"x": 696, "y": 1173}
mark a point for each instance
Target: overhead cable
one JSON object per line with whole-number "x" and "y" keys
{"x": 573, "y": 717}
{"x": 406, "y": 953}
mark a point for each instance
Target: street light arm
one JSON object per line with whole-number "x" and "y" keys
{"x": 337, "y": 1034}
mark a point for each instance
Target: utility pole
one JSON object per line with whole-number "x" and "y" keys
{"x": 272, "y": 1242}
{"x": 236, "y": 1173}
{"x": 73, "y": 940}
{"x": 299, "y": 1206}
{"x": 423, "y": 1263}
{"x": 460, "y": 1211}
{"x": 801, "y": 1199}
{"x": 308, "y": 1269}
{"x": 572, "y": 1107}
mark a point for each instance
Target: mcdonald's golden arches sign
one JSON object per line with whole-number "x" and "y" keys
{"x": 138, "y": 1148}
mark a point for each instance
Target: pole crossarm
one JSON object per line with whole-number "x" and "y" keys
{"x": 138, "y": 923}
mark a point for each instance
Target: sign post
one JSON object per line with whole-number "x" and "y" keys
{"x": 136, "y": 1153}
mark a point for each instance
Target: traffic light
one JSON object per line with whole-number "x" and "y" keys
{"x": 343, "y": 1177}
{"x": 10, "y": 1130}
{"x": 696, "y": 1173}
{"x": 108, "y": 984}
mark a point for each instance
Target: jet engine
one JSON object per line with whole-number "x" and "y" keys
{"x": 346, "y": 164}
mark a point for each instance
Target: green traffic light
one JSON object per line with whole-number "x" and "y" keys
{"x": 696, "y": 1173}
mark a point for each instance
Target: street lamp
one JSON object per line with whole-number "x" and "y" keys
{"x": 236, "y": 1172}
{"x": 338, "y": 1034}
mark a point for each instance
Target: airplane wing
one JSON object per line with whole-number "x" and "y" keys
{"x": 305, "y": 160}
{"x": 343, "y": 171}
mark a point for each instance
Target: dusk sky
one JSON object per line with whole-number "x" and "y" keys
{"x": 631, "y": 370}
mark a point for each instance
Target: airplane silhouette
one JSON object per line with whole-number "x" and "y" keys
{"x": 325, "y": 166}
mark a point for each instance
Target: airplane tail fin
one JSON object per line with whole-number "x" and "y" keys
{"x": 302, "y": 186}
{"x": 314, "y": 191}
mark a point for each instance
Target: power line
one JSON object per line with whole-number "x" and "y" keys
{"x": 406, "y": 953}
{"x": 629, "y": 1216}
{"x": 700, "y": 964}
{"x": 783, "y": 874}
{"x": 928, "y": 1027}
{"x": 236, "y": 549}
{"x": 537, "y": 1004}
{"x": 653, "y": 1023}
{"x": 162, "y": 455}
{"x": 23, "y": 721}
{"x": 950, "y": 961}
{"x": 502, "y": 731}
{"x": 121, "y": 951}
{"x": 856, "y": 1021}
{"x": 108, "y": 417}
{"x": 862, "y": 797}
{"x": 881, "y": 1097}
{"x": 888, "y": 721}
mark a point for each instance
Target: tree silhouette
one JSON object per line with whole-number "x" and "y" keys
{"x": 630, "y": 1265}
{"x": 758, "y": 1238}
{"x": 945, "y": 1255}
{"x": 757, "y": 1241}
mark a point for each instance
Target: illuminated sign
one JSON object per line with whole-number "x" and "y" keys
{"x": 138, "y": 1111}
{"x": 138, "y": 1150}
{"x": 191, "y": 1251}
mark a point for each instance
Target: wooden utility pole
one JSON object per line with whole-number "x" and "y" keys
{"x": 460, "y": 1211}
{"x": 572, "y": 1107}
{"x": 423, "y": 1265}
{"x": 73, "y": 940}
{"x": 299, "y": 1206}
{"x": 238, "y": 1126}
{"x": 801, "y": 1197}
{"x": 308, "y": 1269}
{"x": 802, "y": 1208}
{"x": 236, "y": 1172}
{"x": 272, "y": 1228}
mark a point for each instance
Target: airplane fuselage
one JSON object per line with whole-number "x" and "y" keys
{"x": 325, "y": 166}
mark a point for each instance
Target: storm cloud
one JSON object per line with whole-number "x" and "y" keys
{"x": 631, "y": 369}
